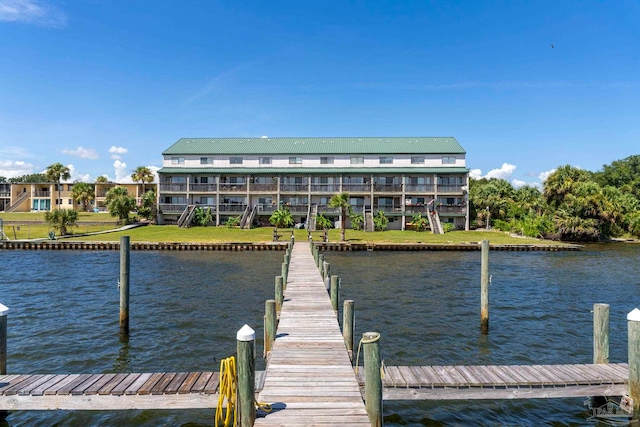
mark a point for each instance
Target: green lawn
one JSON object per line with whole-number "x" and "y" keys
{"x": 172, "y": 233}
{"x": 92, "y": 222}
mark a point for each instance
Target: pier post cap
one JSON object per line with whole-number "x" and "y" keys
{"x": 3, "y": 310}
{"x": 634, "y": 315}
{"x": 246, "y": 334}
{"x": 371, "y": 336}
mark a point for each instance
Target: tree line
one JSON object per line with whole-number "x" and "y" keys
{"x": 573, "y": 205}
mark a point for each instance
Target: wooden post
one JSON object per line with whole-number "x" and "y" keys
{"x": 320, "y": 261}
{"x": 279, "y": 293}
{"x": 246, "y": 367}
{"x": 3, "y": 339}
{"x": 633, "y": 327}
{"x": 348, "y": 325}
{"x": 270, "y": 319}
{"x": 283, "y": 272}
{"x": 601, "y": 333}
{"x": 335, "y": 293}
{"x": 325, "y": 273}
{"x": 124, "y": 284}
{"x": 287, "y": 259}
{"x": 484, "y": 287}
{"x": 373, "y": 377}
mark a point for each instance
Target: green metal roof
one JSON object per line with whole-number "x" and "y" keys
{"x": 314, "y": 171}
{"x": 329, "y": 145}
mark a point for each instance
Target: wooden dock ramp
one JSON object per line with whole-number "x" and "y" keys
{"x": 309, "y": 379}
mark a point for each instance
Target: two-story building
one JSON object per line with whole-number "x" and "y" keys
{"x": 399, "y": 176}
{"x": 44, "y": 196}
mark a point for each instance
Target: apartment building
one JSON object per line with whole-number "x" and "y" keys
{"x": 39, "y": 197}
{"x": 235, "y": 177}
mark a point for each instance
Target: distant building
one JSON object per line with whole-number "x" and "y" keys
{"x": 252, "y": 177}
{"x": 39, "y": 197}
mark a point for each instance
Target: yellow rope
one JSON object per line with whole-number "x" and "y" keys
{"x": 225, "y": 417}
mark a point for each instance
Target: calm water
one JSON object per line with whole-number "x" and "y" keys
{"x": 187, "y": 306}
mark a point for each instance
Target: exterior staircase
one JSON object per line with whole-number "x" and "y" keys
{"x": 248, "y": 216}
{"x": 434, "y": 222}
{"x": 368, "y": 219}
{"x": 187, "y": 216}
{"x": 23, "y": 196}
{"x": 311, "y": 218}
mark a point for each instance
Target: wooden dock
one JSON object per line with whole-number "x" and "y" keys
{"x": 503, "y": 381}
{"x": 178, "y": 390}
{"x": 309, "y": 379}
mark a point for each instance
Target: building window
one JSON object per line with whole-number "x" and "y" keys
{"x": 177, "y": 160}
{"x": 386, "y": 160}
{"x": 326, "y": 160}
{"x": 265, "y": 160}
{"x": 295, "y": 160}
{"x": 417, "y": 160}
{"x": 206, "y": 160}
{"x": 235, "y": 160}
{"x": 70, "y": 201}
{"x": 204, "y": 180}
{"x": 69, "y": 187}
{"x": 448, "y": 160}
{"x": 357, "y": 160}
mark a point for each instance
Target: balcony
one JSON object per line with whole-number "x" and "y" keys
{"x": 233, "y": 188}
{"x": 414, "y": 209}
{"x": 173, "y": 187}
{"x": 297, "y": 209}
{"x": 452, "y": 210}
{"x": 294, "y": 188}
{"x": 206, "y": 206}
{"x": 264, "y": 187}
{"x": 449, "y": 188}
{"x": 41, "y": 194}
{"x": 266, "y": 208}
{"x": 387, "y": 208}
{"x": 322, "y": 209}
{"x": 203, "y": 188}
{"x": 387, "y": 188}
{"x": 419, "y": 188}
{"x": 357, "y": 208}
{"x": 356, "y": 188}
{"x": 232, "y": 207}
{"x": 172, "y": 207}
{"x": 325, "y": 188}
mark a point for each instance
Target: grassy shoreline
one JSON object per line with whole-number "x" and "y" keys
{"x": 34, "y": 227}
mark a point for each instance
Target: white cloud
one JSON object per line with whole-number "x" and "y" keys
{"x": 544, "y": 175}
{"x": 83, "y": 153}
{"x": 504, "y": 172}
{"x": 35, "y": 12}
{"x": 15, "y": 168}
{"x": 76, "y": 176}
{"x": 117, "y": 151}
{"x": 475, "y": 173}
{"x": 123, "y": 175}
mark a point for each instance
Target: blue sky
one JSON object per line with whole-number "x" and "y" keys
{"x": 105, "y": 86}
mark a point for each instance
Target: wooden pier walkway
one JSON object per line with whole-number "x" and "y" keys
{"x": 179, "y": 390}
{"x": 503, "y": 381}
{"x": 309, "y": 379}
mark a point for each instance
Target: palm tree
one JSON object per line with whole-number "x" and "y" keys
{"x": 119, "y": 203}
{"x": 341, "y": 201}
{"x": 61, "y": 219}
{"x": 57, "y": 172}
{"x": 84, "y": 193}
{"x": 142, "y": 174}
{"x": 102, "y": 179}
{"x": 282, "y": 218}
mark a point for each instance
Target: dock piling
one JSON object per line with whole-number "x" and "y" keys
{"x": 283, "y": 272}
{"x": 335, "y": 293}
{"x": 246, "y": 367}
{"x": 348, "y": 324}
{"x": 279, "y": 293}
{"x": 484, "y": 287}
{"x": 3, "y": 339}
{"x": 125, "y": 250}
{"x": 601, "y": 333}
{"x": 373, "y": 377}
{"x": 270, "y": 325}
